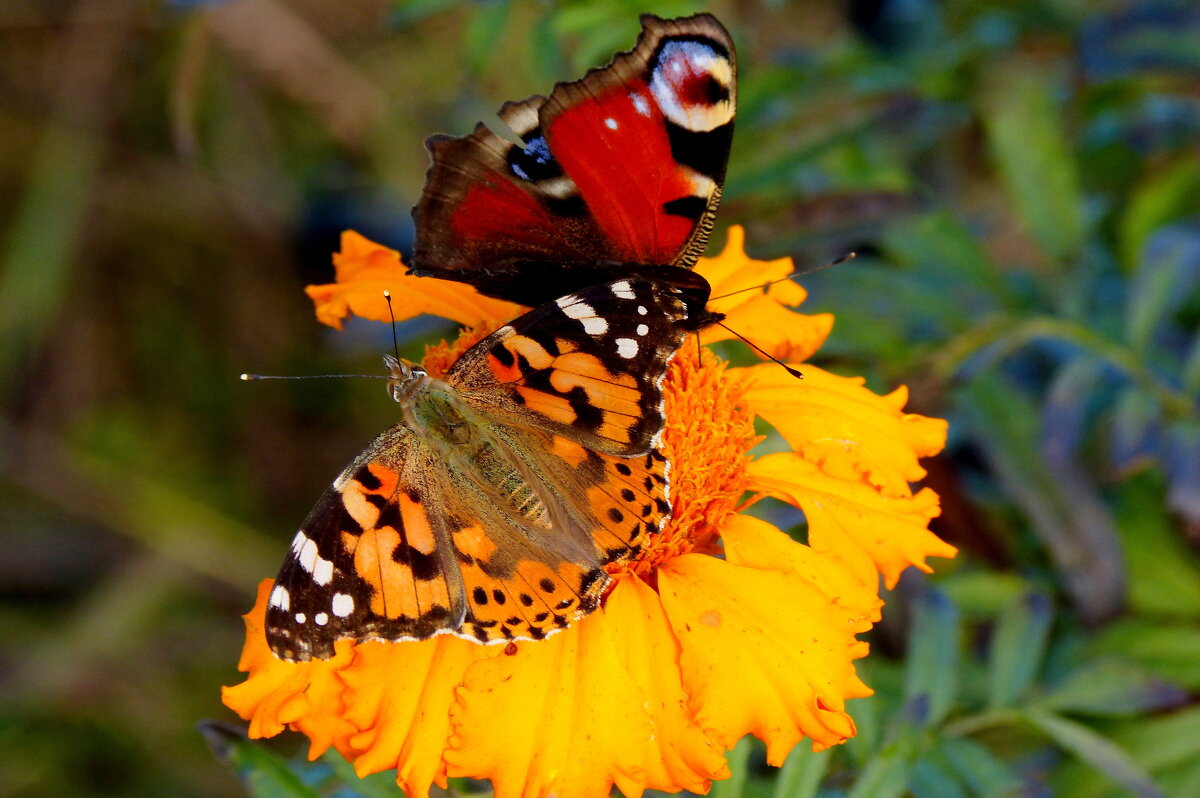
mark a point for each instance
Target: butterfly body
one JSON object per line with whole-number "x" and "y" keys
{"x": 617, "y": 174}
{"x": 491, "y": 510}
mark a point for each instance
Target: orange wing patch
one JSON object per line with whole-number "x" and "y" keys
{"x": 532, "y": 602}
{"x": 631, "y": 504}
{"x": 400, "y": 565}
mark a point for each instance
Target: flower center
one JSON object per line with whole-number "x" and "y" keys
{"x": 708, "y": 435}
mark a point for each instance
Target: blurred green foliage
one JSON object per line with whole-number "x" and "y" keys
{"x": 1021, "y": 181}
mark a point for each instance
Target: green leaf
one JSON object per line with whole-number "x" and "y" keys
{"x": 1166, "y": 274}
{"x": 1111, "y": 687}
{"x": 1018, "y": 648}
{"x": 982, "y": 594}
{"x": 984, "y": 772}
{"x": 1135, "y": 418}
{"x": 886, "y": 775}
{"x": 265, "y": 773}
{"x": 1171, "y": 193}
{"x": 1164, "y": 578}
{"x": 1157, "y": 745}
{"x": 1190, "y": 375}
{"x": 932, "y": 672}
{"x": 1169, "y": 650}
{"x": 739, "y": 768}
{"x": 1029, "y": 144}
{"x": 1102, "y": 754}
{"x": 42, "y": 235}
{"x": 375, "y": 785}
{"x": 1063, "y": 504}
{"x": 1183, "y": 781}
{"x": 802, "y": 771}
{"x": 940, "y": 246}
{"x": 485, "y": 26}
{"x": 931, "y": 780}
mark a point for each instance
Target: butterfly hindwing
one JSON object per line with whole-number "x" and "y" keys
{"x": 615, "y": 172}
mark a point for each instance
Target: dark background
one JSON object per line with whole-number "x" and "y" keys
{"x": 1021, "y": 181}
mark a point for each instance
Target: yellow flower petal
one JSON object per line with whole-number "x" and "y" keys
{"x": 836, "y": 423}
{"x": 520, "y": 723}
{"x": 733, "y": 270}
{"x": 678, "y": 755}
{"x": 851, "y": 518}
{"x": 398, "y": 694}
{"x": 364, "y": 270}
{"x": 782, "y": 333}
{"x": 306, "y": 696}
{"x": 762, "y": 652}
{"x": 763, "y": 317}
{"x": 754, "y": 543}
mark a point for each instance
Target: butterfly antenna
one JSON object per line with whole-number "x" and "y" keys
{"x": 794, "y": 372}
{"x": 797, "y": 273}
{"x": 387, "y": 297}
{"x": 249, "y": 377}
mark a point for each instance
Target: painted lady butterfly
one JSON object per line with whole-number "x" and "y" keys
{"x": 491, "y": 509}
{"x": 617, "y": 174}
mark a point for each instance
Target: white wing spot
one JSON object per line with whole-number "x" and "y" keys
{"x": 342, "y": 605}
{"x": 642, "y": 310}
{"x": 301, "y": 617}
{"x": 320, "y": 619}
{"x": 322, "y": 571}
{"x": 306, "y": 555}
{"x": 639, "y": 104}
{"x": 627, "y": 347}
{"x": 610, "y": 123}
{"x": 574, "y": 309}
{"x": 642, "y": 329}
{"x": 280, "y": 598}
{"x": 594, "y": 325}
{"x": 298, "y": 542}
{"x": 623, "y": 291}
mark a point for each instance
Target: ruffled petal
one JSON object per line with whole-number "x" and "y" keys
{"x": 762, "y": 652}
{"x": 558, "y": 717}
{"x": 306, "y": 696}
{"x": 754, "y": 543}
{"x": 764, "y": 316}
{"x": 782, "y": 333}
{"x": 847, "y": 430}
{"x": 364, "y": 270}
{"x": 850, "y": 519}
{"x": 399, "y": 695}
{"x": 678, "y": 755}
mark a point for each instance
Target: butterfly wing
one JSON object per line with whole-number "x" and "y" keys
{"x": 621, "y": 168}
{"x": 579, "y": 381}
{"x": 504, "y": 537}
{"x": 587, "y": 366}
{"x": 404, "y": 546}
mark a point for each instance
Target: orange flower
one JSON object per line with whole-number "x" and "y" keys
{"x": 723, "y": 626}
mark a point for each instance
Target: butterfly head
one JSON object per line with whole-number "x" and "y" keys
{"x": 406, "y": 377}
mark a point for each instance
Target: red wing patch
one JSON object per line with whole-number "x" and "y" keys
{"x": 615, "y": 173}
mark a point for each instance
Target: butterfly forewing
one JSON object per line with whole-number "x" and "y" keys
{"x": 588, "y": 365}
{"x": 617, "y": 171}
